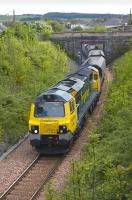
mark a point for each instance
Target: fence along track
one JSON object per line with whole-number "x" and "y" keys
{"x": 28, "y": 185}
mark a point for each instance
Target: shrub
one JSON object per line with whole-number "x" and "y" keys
{"x": 27, "y": 68}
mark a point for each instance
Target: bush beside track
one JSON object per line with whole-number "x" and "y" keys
{"x": 27, "y": 67}
{"x": 105, "y": 171}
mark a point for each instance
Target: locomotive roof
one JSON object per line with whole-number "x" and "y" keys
{"x": 61, "y": 91}
{"x": 96, "y": 52}
{"x": 74, "y": 81}
{"x": 89, "y": 47}
{"x": 85, "y": 71}
{"x": 54, "y": 95}
{"x": 70, "y": 83}
{"x": 96, "y": 61}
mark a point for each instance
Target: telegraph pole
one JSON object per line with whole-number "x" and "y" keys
{"x": 14, "y": 16}
{"x": 130, "y": 18}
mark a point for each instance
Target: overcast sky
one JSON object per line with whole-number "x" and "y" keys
{"x": 85, "y": 6}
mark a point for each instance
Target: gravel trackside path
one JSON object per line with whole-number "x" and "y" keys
{"x": 28, "y": 185}
{"x": 15, "y": 163}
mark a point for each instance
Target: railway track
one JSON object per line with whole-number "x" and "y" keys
{"x": 31, "y": 181}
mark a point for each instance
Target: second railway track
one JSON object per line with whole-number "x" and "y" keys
{"x": 31, "y": 181}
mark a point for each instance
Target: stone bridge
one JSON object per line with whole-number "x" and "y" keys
{"x": 113, "y": 43}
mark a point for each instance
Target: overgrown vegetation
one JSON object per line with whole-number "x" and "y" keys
{"x": 46, "y": 28}
{"x": 77, "y": 28}
{"x": 27, "y": 68}
{"x": 95, "y": 29}
{"x": 105, "y": 170}
{"x": 98, "y": 29}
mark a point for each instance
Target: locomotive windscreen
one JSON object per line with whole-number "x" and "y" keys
{"x": 49, "y": 109}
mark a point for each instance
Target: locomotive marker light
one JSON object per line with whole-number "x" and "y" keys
{"x": 34, "y": 129}
{"x": 63, "y": 129}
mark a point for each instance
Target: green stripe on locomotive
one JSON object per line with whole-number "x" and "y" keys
{"x": 84, "y": 99}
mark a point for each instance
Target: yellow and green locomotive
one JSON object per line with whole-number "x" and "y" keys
{"x": 57, "y": 115}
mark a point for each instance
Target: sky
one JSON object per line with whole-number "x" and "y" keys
{"x": 82, "y": 6}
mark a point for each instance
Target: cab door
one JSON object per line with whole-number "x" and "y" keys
{"x": 73, "y": 115}
{"x": 96, "y": 81}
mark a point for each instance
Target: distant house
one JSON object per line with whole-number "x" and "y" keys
{"x": 112, "y": 22}
{"x": 116, "y": 22}
{"x": 83, "y": 26}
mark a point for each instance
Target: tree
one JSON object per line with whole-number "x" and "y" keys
{"x": 57, "y": 26}
{"x": 77, "y": 28}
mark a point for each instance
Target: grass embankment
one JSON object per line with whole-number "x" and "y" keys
{"x": 105, "y": 171}
{"x": 27, "y": 68}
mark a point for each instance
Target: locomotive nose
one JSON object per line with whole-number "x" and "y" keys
{"x": 49, "y": 127}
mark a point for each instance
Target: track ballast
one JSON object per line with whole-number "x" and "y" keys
{"x": 31, "y": 181}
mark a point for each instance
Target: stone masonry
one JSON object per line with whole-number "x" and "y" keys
{"x": 113, "y": 43}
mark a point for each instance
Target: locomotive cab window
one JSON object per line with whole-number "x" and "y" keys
{"x": 49, "y": 109}
{"x": 91, "y": 77}
{"x": 71, "y": 106}
{"x": 95, "y": 77}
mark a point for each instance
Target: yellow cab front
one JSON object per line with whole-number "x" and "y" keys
{"x": 53, "y": 119}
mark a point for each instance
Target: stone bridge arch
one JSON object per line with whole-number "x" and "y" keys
{"x": 113, "y": 44}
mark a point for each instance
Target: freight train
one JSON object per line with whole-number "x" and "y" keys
{"x": 57, "y": 115}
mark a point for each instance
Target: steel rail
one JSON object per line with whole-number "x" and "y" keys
{"x": 23, "y": 176}
{"x": 47, "y": 178}
{"x": 19, "y": 178}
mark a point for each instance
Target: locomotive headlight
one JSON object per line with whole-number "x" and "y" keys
{"x": 62, "y": 129}
{"x": 34, "y": 129}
